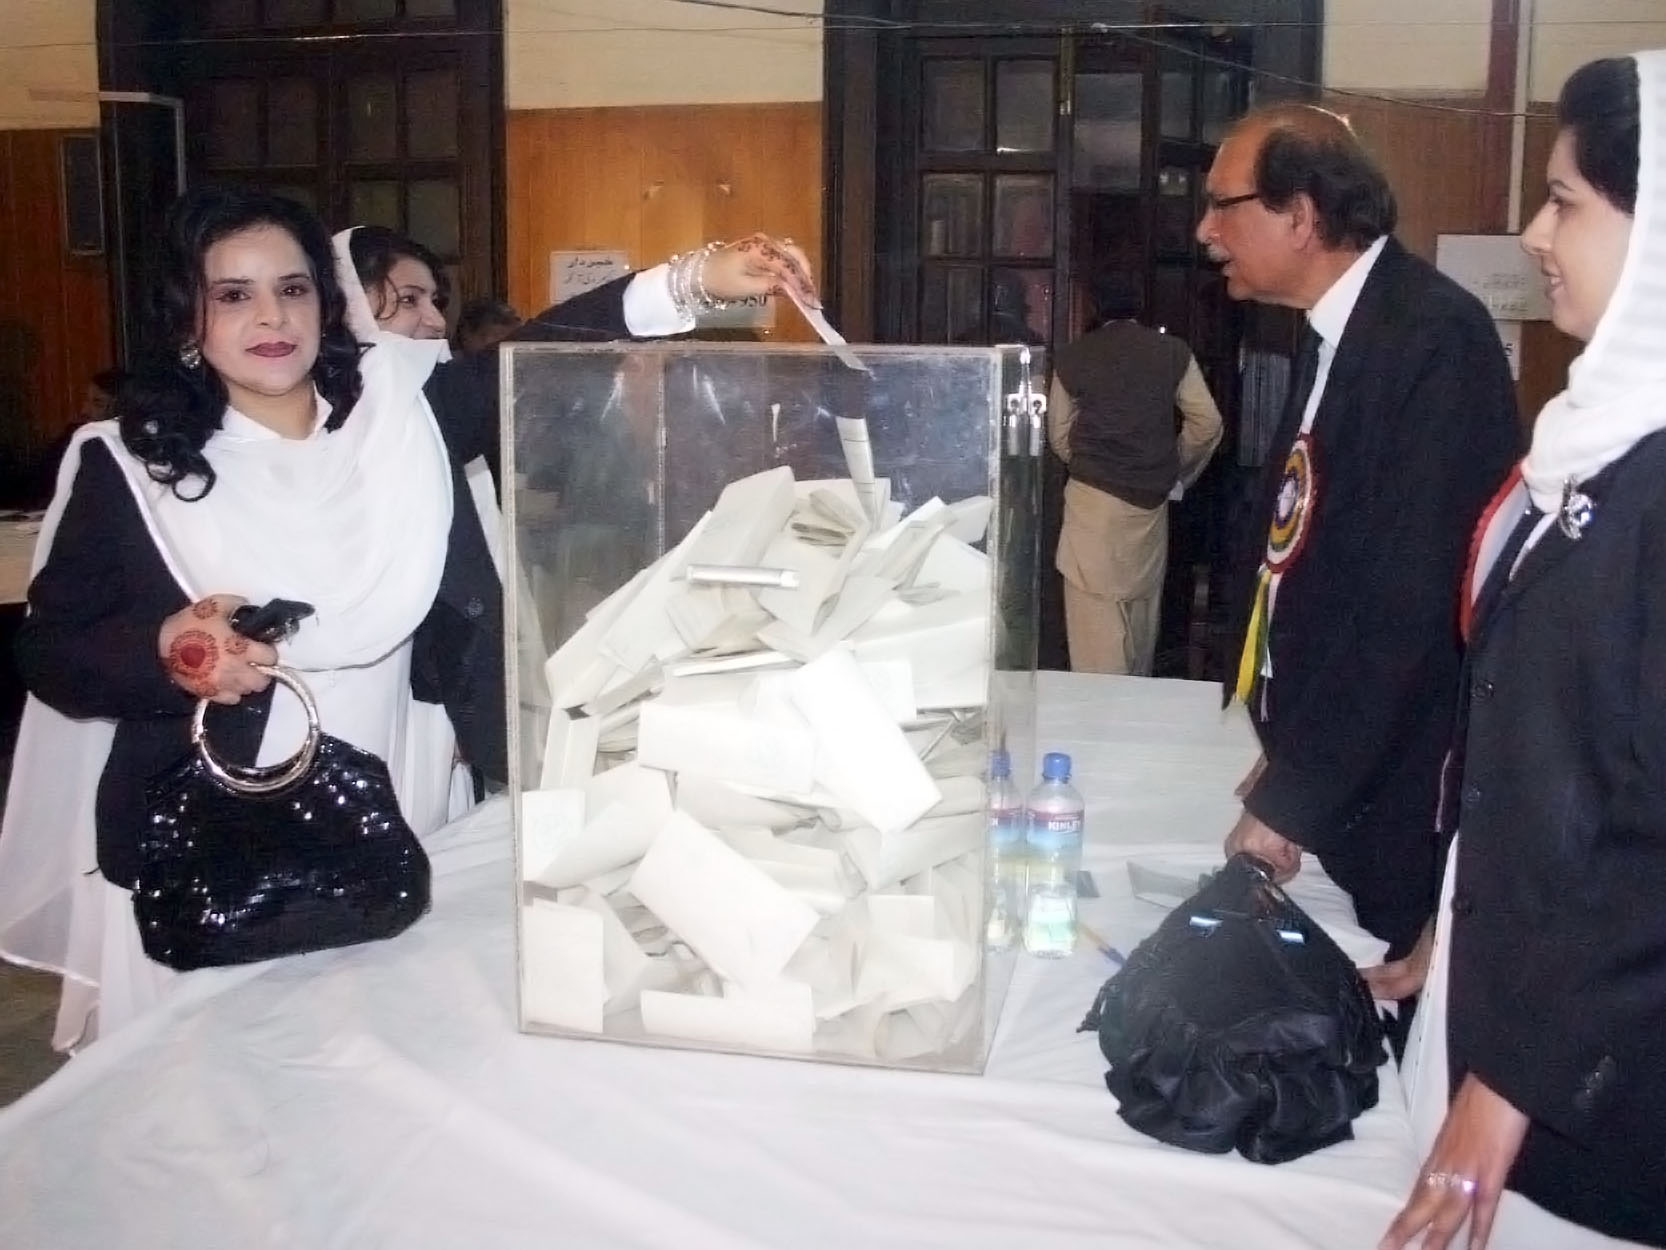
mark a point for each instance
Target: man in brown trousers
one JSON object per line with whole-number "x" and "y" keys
{"x": 1111, "y": 418}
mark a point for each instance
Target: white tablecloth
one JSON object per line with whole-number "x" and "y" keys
{"x": 17, "y": 548}
{"x": 381, "y": 1096}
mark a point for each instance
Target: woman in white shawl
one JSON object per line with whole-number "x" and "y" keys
{"x": 260, "y": 453}
{"x": 1544, "y": 1018}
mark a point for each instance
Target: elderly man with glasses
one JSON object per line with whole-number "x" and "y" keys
{"x": 1400, "y": 425}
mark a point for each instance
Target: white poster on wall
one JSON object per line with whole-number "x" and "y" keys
{"x": 574, "y": 273}
{"x": 1494, "y": 269}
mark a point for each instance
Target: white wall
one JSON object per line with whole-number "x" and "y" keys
{"x": 1567, "y": 33}
{"x": 595, "y": 53}
{"x": 1434, "y": 47}
{"x": 47, "y": 46}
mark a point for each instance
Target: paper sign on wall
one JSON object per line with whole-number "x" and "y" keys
{"x": 1494, "y": 269}
{"x": 574, "y": 273}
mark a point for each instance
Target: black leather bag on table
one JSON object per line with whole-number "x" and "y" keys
{"x": 242, "y": 864}
{"x": 1240, "y": 1024}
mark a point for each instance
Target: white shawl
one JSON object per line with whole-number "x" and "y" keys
{"x": 1617, "y": 388}
{"x": 354, "y": 521}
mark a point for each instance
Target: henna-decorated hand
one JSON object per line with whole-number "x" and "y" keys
{"x": 207, "y": 658}
{"x": 760, "y": 265}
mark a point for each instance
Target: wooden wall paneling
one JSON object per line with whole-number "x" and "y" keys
{"x": 658, "y": 180}
{"x": 54, "y": 309}
{"x": 1435, "y": 153}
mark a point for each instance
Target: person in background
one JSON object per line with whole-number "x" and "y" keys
{"x": 484, "y": 323}
{"x": 1540, "y": 1095}
{"x": 1111, "y": 419}
{"x": 266, "y": 448}
{"x": 407, "y": 286}
{"x": 1400, "y": 422}
{"x": 95, "y": 406}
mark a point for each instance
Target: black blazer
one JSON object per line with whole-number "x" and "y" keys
{"x": 1416, "y": 429}
{"x": 88, "y": 644}
{"x": 1558, "y": 972}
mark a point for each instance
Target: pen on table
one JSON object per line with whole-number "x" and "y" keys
{"x": 1101, "y": 945}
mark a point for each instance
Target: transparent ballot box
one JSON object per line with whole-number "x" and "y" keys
{"x": 768, "y": 616}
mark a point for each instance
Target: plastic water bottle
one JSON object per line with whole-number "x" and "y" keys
{"x": 1006, "y": 855}
{"x": 1053, "y": 820}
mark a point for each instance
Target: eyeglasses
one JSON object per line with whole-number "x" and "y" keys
{"x": 1220, "y": 203}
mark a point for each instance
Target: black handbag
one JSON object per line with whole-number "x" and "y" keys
{"x": 242, "y": 864}
{"x": 1240, "y": 1024}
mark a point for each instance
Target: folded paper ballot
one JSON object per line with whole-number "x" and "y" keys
{"x": 729, "y": 911}
{"x": 762, "y": 807}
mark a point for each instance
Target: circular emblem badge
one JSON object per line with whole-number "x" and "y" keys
{"x": 1293, "y": 509}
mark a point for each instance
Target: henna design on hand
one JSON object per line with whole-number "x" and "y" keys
{"x": 192, "y": 659}
{"x": 205, "y": 609}
{"x": 236, "y": 644}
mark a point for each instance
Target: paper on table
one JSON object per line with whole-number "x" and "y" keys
{"x": 726, "y": 744}
{"x": 885, "y": 859}
{"x": 948, "y": 644}
{"x": 550, "y": 820}
{"x": 578, "y": 670}
{"x": 569, "y": 750}
{"x": 643, "y": 630}
{"x": 728, "y": 910}
{"x": 562, "y": 982}
{"x": 624, "y": 963}
{"x": 778, "y": 1016}
{"x": 971, "y": 518}
{"x": 861, "y": 754}
{"x": 625, "y": 809}
{"x": 716, "y": 803}
{"x": 825, "y": 331}
{"x": 858, "y": 600}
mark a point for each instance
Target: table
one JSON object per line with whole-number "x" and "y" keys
{"x": 17, "y": 549}
{"x": 381, "y": 1097}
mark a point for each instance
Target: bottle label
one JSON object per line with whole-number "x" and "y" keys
{"x": 1055, "y": 832}
{"x": 1006, "y": 826}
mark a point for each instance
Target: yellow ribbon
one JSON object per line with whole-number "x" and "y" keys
{"x": 1249, "y": 663}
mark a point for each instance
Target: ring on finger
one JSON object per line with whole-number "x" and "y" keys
{"x": 1451, "y": 1180}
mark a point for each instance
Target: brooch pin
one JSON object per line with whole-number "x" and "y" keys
{"x": 1576, "y": 511}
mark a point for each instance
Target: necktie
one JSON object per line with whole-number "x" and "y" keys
{"x": 1303, "y": 374}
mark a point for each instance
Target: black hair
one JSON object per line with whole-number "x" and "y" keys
{"x": 377, "y": 249}
{"x": 1599, "y": 107}
{"x": 166, "y": 409}
{"x": 1314, "y": 153}
{"x": 483, "y": 313}
{"x": 1117, "y": 297}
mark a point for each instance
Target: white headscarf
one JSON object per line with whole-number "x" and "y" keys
{"x": 1617, "y": 388}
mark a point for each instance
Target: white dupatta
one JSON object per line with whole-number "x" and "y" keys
{"x": 354, "y": 521}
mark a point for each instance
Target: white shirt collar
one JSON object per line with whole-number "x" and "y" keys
{"x": 1330, "y": 315}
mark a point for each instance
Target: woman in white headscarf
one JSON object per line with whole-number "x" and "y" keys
{"x": 265, "y": 450}
{"x": 1547, "y": 993}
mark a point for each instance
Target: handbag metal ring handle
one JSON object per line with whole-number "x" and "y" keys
{"x": 273, "y": 777}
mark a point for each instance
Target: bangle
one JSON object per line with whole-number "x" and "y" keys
{"x": 687, "y": 281}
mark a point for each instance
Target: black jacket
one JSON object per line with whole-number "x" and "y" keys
{"x": 1416, "y": 429}
{"x": 1558, "y": 972}
{"x": 88, "y": 644}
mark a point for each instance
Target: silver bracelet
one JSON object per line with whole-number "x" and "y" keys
{"x": 688, "y": 283}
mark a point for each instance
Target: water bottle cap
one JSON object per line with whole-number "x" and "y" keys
{"x": 1055, "y": 766}
{"x": 1000, "y": 763}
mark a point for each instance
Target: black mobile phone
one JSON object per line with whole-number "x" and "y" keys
{"x": 271, "y": 622}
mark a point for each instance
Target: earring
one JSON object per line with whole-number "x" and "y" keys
{"x": 190, "y": 356}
